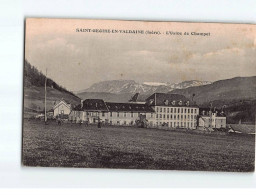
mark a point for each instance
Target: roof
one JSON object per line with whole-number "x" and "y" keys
{"x": 218, "y": 112}
{"x": 168, "y": 99}
{"x": 62, "y": 102}
{"x": 128, "y": 107}
{"x": 92, "y": 105}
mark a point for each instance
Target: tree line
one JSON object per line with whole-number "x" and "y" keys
{"x": 34, "y": 77}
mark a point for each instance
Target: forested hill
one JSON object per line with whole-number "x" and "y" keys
{"x": 32, "y": 77}
{"x": 34, "y": 92}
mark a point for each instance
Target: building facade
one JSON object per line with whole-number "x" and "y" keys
{"x": 95, "y": 110}
{"x": 211, "y": 120}
{"x": 173, "y": 111}
{"x": 61, "y": 108}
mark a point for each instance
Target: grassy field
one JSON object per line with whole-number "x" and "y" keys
{"x": 72, "y": 145}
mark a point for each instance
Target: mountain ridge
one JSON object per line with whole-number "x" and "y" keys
{"x": 130, "y": 86}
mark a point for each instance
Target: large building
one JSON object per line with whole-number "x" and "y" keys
{"x": 159, "y": 110}
{"x": 173, "y": 111}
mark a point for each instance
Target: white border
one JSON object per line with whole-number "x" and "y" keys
{"x": 12, "y": 14}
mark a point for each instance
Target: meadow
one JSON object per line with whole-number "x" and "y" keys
{"x": 74, "y": 145}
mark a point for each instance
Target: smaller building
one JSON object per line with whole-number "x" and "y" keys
{"x": 209, "y": 120}
{"x": 61, "y": 108}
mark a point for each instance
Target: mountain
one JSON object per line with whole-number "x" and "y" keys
{"x": 34, "y": 82}
{"x": 237, "y": 96}
{"x": 238, "y": 88}
{"x": 130, "y": 86}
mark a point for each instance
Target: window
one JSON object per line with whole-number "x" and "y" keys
{"x": 163, "y": 115}
{"x": 124, "y": 114}
{"x": 160, "y": 109}
{"x": 103, "y": 114}
{"x": 160, "y": 115}
{"x": 171, "y": 116}
{"x": 178, "y": 110}
{"x": 157, "y": 109}
{"x": 168, "y": 110}
{"x": 191, "y": 110}
{"x": 164, "y": 110}
{"x": 124, "y": 122}
{"x": 110, "y": 114}
{"x": 131, "y": 114}
{"x": 171, "y": 110}
{"x": 174, "y": 116}
{"x": 174, "y": 110}
{"x": 178, "y": 117}
{"x": 185, "y": 110}
{"x": 188, "y": 110}
{"x": 167, "y": 124}
{"x": 156, "y": 115}
{"x": 181, "y": 116}
{"x": 167, "y": 116}
{"x": 117, "y": 116}
{"x": 151, "y": 115}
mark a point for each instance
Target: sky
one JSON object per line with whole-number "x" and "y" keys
{"x": 76, "y": 60}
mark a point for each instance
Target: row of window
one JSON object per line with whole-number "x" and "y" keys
{"x": 170, "y": 116}
{"x": 118, "y": 114}
{"x": 176, "y": 124}
{"x": 176, "y": 110}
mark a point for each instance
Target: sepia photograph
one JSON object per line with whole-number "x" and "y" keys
{"x": 139, "y": 95}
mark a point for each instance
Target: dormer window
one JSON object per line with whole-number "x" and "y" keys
{"x": 180, "y": 102}
{"x": 187, "y": 103}
{"x": 173, "y": 102}
{"x": 166, "y": 102}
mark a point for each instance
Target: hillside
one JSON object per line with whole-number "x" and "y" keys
{"x": 34, "y": 82}
{"x": 236, "y": 95}
{"x": 229, "y": 90}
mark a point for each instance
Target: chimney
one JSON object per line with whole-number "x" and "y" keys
{"x": 81, "y": 104}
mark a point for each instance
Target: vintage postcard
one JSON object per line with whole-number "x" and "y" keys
{"x": 139, "y": 95}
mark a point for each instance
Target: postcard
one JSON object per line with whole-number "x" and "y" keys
{"x": 139, "y": 95}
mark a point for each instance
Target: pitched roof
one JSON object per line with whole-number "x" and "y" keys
{"x": 167, "y": 99}
{"x": 92, "y": 105}
{"x": 128, "y": 107}
{"x": 62, "y": 102}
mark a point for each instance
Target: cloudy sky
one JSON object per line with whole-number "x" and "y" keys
{"x": 76, "y": 60}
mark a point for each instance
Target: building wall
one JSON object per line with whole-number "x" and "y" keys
{"x": 61, "y": 108}
{"x": 213, "y": 121}
{"x": 174, "y": 117}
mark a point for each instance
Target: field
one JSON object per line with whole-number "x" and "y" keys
{"x": 72, "y": 145}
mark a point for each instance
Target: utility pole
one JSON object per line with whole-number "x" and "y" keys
{"x": 45, "y": 116}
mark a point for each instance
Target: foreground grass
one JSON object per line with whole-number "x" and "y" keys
{"x": 72, "y": 145}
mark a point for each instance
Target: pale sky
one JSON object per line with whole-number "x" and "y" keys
{"x": 76, "y": 60}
